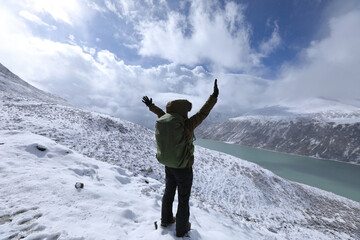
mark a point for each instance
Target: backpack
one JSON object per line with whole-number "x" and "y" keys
{"x": 173, "y": 150}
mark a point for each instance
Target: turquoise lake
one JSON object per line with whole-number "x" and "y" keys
{"x": 340, "y": 178}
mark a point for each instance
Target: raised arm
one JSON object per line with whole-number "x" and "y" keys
{"x": 197, "y": 119}
{"x": 152, "y": 107}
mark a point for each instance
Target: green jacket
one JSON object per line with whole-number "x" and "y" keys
{"x": 182, "y": 107}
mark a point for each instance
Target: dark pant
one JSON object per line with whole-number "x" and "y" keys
{"x": 182, "y": 179}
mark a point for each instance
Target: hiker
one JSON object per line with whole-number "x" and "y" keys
{"x": 175, "y": 149}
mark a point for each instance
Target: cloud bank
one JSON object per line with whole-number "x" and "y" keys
{"x": 328, "y": 68}
{"x": 198, "y": 42}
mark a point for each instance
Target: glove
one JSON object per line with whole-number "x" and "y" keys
{"x": 216, "y": 89}
{"x": 147, "y": 101}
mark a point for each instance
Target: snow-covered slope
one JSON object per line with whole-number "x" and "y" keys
{"x": 318, "y": 128}
{"x": 39, "y": 199}
{"x": 249, "y": 201}
{"x": 17, "y": 89}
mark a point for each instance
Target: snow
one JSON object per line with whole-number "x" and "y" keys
{"x": 323, "y": 110}
{"x": 262, "y": 119}
{"x": 42, "y": 202}
{"x": 316, "y": 105}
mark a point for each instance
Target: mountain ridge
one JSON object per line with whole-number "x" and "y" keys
{"x": 16, "y": 88}
{"x": 323, "y": 131}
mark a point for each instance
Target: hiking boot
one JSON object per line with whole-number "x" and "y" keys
{"x": 165, "y": 224}
{"x": 188, "y": 229}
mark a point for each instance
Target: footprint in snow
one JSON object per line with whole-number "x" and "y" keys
{"x": 124, "y": 178}
{"x": 129, "y": 214}
{"x": 122, "y": 172}
{"x": 90, "y": 165}
{"x": 37, "y": 149}
{"x": 23, "y": 223}
{"x": 89, "y": 172}
{"x": 29, "y": 219}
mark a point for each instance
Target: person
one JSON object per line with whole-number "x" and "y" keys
{"x": 180, "y": 175}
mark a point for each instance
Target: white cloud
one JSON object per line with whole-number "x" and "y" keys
{"x": 220, "y": 36}
{"x": 111, "y": 6}
{"x": 329, "y": 67}
{"x": 133, "y": 10}
{"x": 68, "y": 11}
{"x": 95, "y": 80}
{"x": 72, "y": 38}
{"x": 95, "y": 6}
{"x": 269, "y": 46}
{"x": 211, "y": 33}
{"x": 126, "y": 7}
{"x": 33, "y": 18}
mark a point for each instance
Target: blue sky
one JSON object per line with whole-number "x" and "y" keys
{"x": 105, "y": 55}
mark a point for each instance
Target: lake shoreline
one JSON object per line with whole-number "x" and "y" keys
{"x": 333, "y": 176}
{"x": 293, "y": 154}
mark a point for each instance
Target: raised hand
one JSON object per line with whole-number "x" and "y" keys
{"x": 147, "y": 101}
{"x": 216, "y": 89}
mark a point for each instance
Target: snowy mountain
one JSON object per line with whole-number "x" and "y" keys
{"x": 115, "y": 159}
{"x": 15, "y": 88}
{"x": 317, "y": 128}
